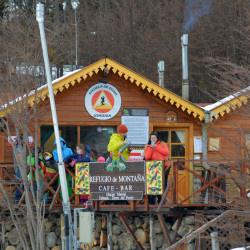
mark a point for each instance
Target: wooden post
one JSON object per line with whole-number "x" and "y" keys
{"x": 109, "y": 231}
{"x": 164, "y": 229}
{"x": 62, "y": 227}
{"x": 215, "y": 241}
{"x": 151, "y": 233}
{"x": 243, "y": 176}
{"x": 123, "y": 220}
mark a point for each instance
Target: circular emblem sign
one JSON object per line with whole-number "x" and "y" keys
{"x": 103, "y": 101}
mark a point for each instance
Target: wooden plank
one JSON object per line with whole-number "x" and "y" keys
{"x": 164, "y": 228}
{"x": 164, "y": 195}
{"x": 177, "y": 226}
{"x": 123, "y": 220}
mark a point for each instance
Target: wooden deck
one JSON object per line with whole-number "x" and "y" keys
{"x": 214, "y": 190}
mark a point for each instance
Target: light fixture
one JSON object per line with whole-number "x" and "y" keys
{"x": 105, "y": 73}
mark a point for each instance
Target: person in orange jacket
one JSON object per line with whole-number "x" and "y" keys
{"x": 156, "y": 150}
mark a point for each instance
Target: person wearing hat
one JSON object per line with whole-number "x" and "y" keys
{"x": 117, "y": 141}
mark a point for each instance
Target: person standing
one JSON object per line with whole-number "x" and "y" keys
{"x": 65, "y": 152}
{"x": 117, "y": 141}
{"x": 156, "y": 150}
{"x": 82, "y": 155}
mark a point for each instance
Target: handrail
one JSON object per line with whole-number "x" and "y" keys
{"x": 143, "y": 205}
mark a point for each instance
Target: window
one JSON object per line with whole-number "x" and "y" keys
{"x": 68, "y": 133}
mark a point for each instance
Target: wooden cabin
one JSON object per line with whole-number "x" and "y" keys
{"x": 180, "y": 123}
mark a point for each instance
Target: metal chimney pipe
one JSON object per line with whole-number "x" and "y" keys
{"x": 161, "y": 69}
{"x": 185, "y": 83}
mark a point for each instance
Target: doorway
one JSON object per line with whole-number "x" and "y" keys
{"x": 177, "y": 140}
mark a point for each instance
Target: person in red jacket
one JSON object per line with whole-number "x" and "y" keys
{"x": 155, "y": 150}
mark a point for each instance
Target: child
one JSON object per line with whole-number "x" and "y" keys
{"x": 82, "y": 155}
{"x": 51, "y": 170}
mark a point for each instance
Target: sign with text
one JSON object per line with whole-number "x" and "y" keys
{"x": 117, "y": 185}
{"x": 137, "y": 121}
{"x": 103, "y": 101}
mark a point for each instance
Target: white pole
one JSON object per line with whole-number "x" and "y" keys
{"x": 215, "y": 241}
{"x": 76, "y": 41}
{"x": 66, "y": 202}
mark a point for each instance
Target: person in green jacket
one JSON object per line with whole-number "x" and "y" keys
{"x": 32, "y": 161}
{"x": 116, "y": 142}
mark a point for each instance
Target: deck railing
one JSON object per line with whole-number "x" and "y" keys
{"x": 222, "y": 185}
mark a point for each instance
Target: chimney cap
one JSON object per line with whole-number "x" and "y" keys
{"x": 184, "y": 40}
{"x": 161, "y": 66}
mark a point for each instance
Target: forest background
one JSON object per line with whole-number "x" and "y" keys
{"x": 138, "y": 34}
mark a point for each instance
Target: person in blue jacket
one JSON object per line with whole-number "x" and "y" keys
{"x": 65, "y": 152}
{"x": 82, "y": 155}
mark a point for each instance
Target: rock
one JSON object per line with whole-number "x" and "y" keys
{"x": 146, "y": 246}
{"x": 175, "y": 225}
{"x": 185, "y": 229}
{"x": 157, "y": 227}
{"x": 53, "y": 228}
{"x": 47, "y": 227}
{"x": 116, "y": 247}
{"x": 116, "y": 229}
{"x": 95, "y": 248}
{"x": 171, "y": 234}
{"x": 141, "y": 236}
{"x": 129, "y": 220}
{"x": 58, "y": 231}
{"x": 115, "y": 239}
{"x": 123, "y": 228}
{"x": 126, "y": 242}
{"x": 10, "y": 248}
{"x": 56, "y": 248}
{"x": 146, "y": 219}
{"x": 159, "y": 240}
{"x": 138, "y": 222}
{"x": 13, "y": 237}
{"x": 189, "y": 220}
{"x": 144, "y": 226}
{"x": 103, "y": 248}
{"x": 19, "y": 246}
{"x": 132, "y": 227}
{"x": 98, "y": 224}
{"x": 190, "y": 246}
{"x": 6, "y": 244}
{"x": 51, "y": 239}
{"x": 8, "y": 226}
{"x": 58, "y": 241}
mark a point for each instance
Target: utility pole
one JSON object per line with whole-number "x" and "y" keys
{"x": 66, "y": 202}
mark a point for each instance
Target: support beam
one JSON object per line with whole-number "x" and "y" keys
{"x": 123, "y": 220}
{"x": 164, "y": 195}
{"x": 151, "y": 232}
{"x": 164, "y": 228}
{"x": 109, "y": 231}
{"x": 178, "y": 225}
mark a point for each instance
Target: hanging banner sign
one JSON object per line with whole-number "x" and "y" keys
{"x": 103, "y": 101}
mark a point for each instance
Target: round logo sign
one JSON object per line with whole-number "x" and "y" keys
{"x": 103, "y": 101}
